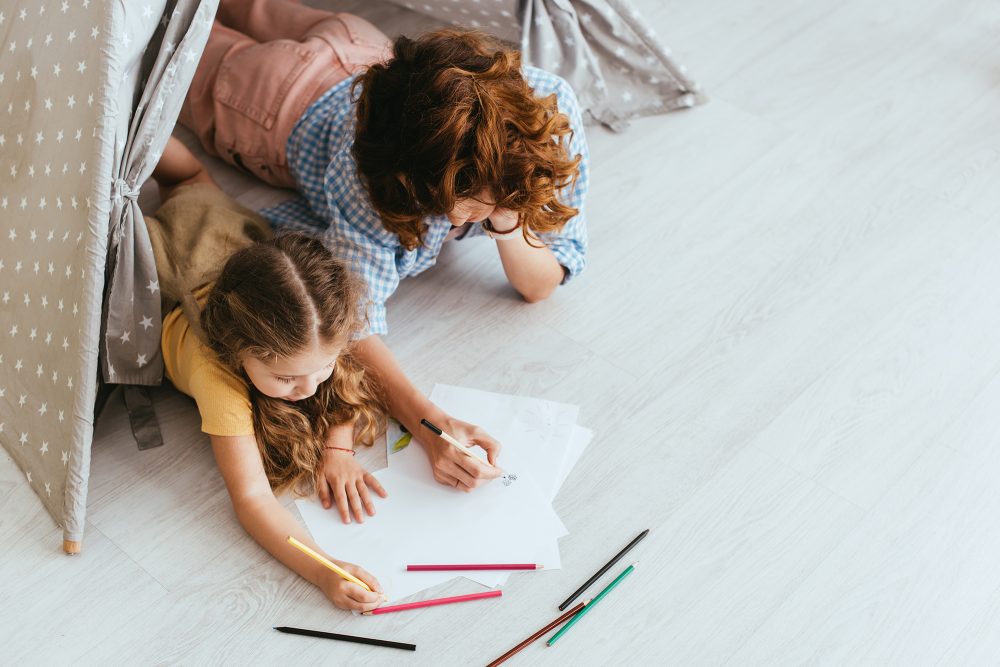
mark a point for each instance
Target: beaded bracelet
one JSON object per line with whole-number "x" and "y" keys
{"x": 340, "y": 449}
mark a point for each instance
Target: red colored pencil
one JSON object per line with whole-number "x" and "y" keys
{"x": 431, "y": 603}
{"x": 474, "y": 566}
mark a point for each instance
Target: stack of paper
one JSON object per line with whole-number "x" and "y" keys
{"x": 422, "y": 521}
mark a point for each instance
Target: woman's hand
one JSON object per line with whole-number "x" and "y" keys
{"x": 344, "y": 482}
{"x": 348, "y": 595}
{"x": 452, "y": 467}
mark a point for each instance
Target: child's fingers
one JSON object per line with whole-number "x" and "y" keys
{"x": 355, "y": 501}
{"x": 367, "y": 577}
{"x": 323, "y": 490}
{"x": 341, "y": 499}
{"x": 374, "y": 484}
{"x": 366, "y": 499}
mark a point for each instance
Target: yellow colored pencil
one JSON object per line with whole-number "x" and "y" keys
{"x": 323, "y": 560}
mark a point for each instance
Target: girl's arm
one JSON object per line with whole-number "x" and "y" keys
{"x": 533, "y": 271}
{"x": 178, "y": 166}
{"x": 270, "y": 524}
{"x": 408, "y": 405}
{"x": 342, "y": 481}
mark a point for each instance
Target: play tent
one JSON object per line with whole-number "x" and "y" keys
{"x": 89, "y": 92}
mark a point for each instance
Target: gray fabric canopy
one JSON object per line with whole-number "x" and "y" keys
{"x": 91, "y": 90}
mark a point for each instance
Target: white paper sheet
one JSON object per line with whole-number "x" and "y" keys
{"x": 422, "y": 521}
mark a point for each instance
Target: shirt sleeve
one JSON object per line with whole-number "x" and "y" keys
{"x": 222, "y": 398}
{"x": 569, "y": 245}
{"x": 355, "y": 234}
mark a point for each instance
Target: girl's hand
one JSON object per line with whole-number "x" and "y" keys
{"x": 454, "y": 468}
{"x": 343, "y": 481}
{"x": 348, "y": 595}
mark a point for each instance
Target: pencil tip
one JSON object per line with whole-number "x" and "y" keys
{"x": 539, "y": 567}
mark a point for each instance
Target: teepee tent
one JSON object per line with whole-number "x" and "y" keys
{"x": 89, "y": 92}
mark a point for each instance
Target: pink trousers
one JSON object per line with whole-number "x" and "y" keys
{"x": 265, "y": 62}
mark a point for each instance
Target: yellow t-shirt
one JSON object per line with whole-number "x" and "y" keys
{"x": 223, "y": 398}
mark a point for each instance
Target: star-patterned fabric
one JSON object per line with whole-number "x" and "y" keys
{"x": 603, "y": 48}
{"x": 72, "y": 149}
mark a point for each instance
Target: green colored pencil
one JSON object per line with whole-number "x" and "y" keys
{"x": 593, "y": 603}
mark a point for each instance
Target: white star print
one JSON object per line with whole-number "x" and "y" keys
{"x": 70, "y": 102}
{"x": 71, "y": 36}
{"x": 65, "y": 457}
{"x": 94, "y": 32}
{"x": 22, "y": 400}
{"x": 48, "y": 104}
{"x": 153, "y": 286}
{"x": 19, "y": 365}
{"x": 141, "y": 360}
{"x": 146, "y": 322}
{"x": 81, "y": 66}
{"x": 124, "y": 337}
{"x": 61, "y": 415}
{"x": 69, "y": 383}
{"x": 13, "y": 331}
{"x": 43, "y": 409}
{"x": 48, "y": 489}
{"x": 48, "y": 40}
{"x": 23, "y": 440}
{"x": 45, "y": 302}
{"x": 65, "y": 7}
{"x": 65, "y": 345}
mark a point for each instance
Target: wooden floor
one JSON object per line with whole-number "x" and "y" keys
{"x": 787, "y": 342}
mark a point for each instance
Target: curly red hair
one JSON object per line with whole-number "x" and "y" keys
{"x": 449, "y": 116}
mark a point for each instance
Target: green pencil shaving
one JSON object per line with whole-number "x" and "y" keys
{"x": 403, "y": 440}
{"x": 593, "y": 603}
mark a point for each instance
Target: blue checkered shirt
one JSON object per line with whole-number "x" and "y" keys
{"x": 335, "y": 204}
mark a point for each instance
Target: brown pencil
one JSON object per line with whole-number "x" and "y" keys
{"x": 559, "y": 621}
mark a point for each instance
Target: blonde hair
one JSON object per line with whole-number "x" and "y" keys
{"x": 273, "y": 300}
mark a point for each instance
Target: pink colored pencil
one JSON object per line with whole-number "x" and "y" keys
{"x": 431, "y": 603}
{"x": 473, "y": 566}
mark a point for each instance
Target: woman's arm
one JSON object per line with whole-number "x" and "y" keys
{"x": 270, "y": 524}
{"x": 531, "y": 268}
{"x": 409, "y": 405}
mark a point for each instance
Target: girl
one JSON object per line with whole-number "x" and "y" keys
{"x": 396, "y": 149}
{"x": 271, "y": 367}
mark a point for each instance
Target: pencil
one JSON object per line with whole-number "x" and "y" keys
{"x": 593, "y": 603}
{"x": 473, "y": 566}
{"x": 346, "y": 638}
{"x": 453, "y": 441}
{"x": 432, "y": 603}
{"x": 323, "y": 560}
{"x": 600, "y": 573}
{"x": 554, "y": 624}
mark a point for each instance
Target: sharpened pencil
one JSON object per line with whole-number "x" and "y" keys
{"x": 346, "y": 638}
{"x": 554, "y": 624}
{"x": 607, "y": 566}
{"x": 473, "y": 566}
{"x": 432, "y": 603}
{"x": 593, "y": 603}
{"x": 329, "y": 564}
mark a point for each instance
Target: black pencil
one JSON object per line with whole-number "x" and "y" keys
{"x": 604, "y": 569}
{"x": 347, "y": 638}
